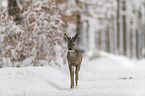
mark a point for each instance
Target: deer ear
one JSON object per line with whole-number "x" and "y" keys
{"x": 75, "y": 37}
{"x": 66, "y": 37}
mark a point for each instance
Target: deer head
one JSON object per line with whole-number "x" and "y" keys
{"x": 71, "y": 42}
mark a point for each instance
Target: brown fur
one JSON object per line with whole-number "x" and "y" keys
{"x": 74, "y": 59}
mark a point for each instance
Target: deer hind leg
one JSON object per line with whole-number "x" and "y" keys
{"x": 71, "y": 68}
{"x": 76, "y": 73}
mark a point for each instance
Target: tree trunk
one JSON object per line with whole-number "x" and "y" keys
{"x": 115, "y": 32}
{"x": 121, "y": 45}
{"x": 103, "y": 40}
{"x": 78, "y": 26}
{"x": 124, "y": 29}
{"x": 118, "y": 25}
{"x": 111, "y": 35}
{"x": 134, "y": 39}
{"x": 13, "y": 10}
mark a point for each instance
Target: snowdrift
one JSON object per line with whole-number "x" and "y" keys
{"x": 108, "y": 75}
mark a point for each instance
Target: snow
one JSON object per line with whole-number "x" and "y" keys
{"x": 109, "y": 75}
{"x": 4, "y": 3}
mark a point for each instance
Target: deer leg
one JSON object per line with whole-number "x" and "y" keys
{"x": 71, "y": 68}
{"x": 76, "y": 73}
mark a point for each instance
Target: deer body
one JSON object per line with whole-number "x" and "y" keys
{"x": 74, "y": 59}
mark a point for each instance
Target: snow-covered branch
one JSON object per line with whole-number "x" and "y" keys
{"x": 19, "y": 4}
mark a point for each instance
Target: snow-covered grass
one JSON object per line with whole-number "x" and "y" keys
{"x": 109, "y": 75}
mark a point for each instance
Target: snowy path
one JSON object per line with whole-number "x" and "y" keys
{"x": 121, "y": 82}
{"x": 107, "y": 76}
{"x": 104, "y": 78}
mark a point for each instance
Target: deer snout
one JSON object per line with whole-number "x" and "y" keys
{"x": 69, "y": 48}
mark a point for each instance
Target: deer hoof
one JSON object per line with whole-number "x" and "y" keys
{"x": 71, "y": 87}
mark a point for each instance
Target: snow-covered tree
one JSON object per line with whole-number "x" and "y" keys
{"x": 116, "y": 25}
{"x": 40, "y": 31}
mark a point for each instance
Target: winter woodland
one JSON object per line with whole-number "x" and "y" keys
{"x": 111, "y": 38}
{"x": 33, "y": 29}
{"x": 115, "y": 26}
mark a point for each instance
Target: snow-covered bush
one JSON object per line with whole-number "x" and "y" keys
{"x": 9, "y": 38}
{"x": 41, "y": 30}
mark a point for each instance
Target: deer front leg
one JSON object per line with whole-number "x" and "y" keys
{"x": 71, "y": 68}
{"x": 76, "y": 73}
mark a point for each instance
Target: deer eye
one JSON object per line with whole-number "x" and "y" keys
{"x": 73, "y": 44}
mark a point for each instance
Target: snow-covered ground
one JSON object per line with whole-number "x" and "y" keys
{"x": 108, "y": 75}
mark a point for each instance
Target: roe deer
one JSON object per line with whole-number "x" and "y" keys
{"x": 74, "y": 59}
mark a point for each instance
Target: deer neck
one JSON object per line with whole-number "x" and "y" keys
{"x": 72, "y": 53}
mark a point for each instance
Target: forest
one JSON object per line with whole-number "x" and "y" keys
{"x": 37, "y": 35}
{"x": 35, "y": 28}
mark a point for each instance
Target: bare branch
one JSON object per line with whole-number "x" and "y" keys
{"x": 19, "y": 4}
